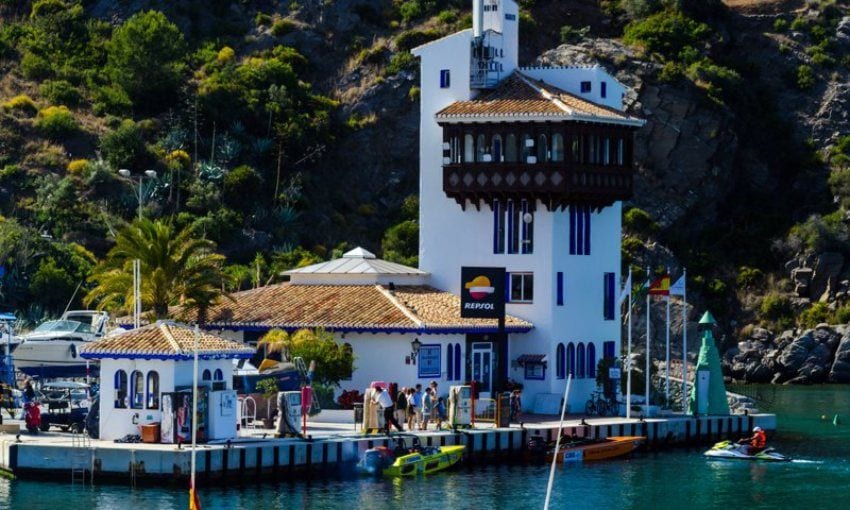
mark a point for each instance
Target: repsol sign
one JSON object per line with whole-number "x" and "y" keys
{"x": 482, "y": 293}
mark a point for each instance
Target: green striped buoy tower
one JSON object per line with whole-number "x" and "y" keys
{"x": 708, "y": 392}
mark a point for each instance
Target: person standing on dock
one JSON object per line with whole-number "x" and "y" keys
{"x": 401, "y": 405}
{"x": 383, "y": 399}
{"x": 429, "y": 402}
{"x": 416, "y": 403}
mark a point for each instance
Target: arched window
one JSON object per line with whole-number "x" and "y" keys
{"x": 571, "y": 358}
{"x": 496, "y": 148}
{"x": 137, "y": 390}
{"x": 560, "y": 361}
{"x": 527, "y": 147}
{"x": 458, "y": 376}
{"x": 580, "y": 360}
{"x": 510, "y": 148}
{"x": 591, "y": 360}
{"x": 218, "y": 375}
{"x": 206, "y": 376}
{"x": 450, "y": 363}
{"x": 557, "y": 147}
{"x": 480, "y": 148}
{"x": 468, "y": 148}
{"x": 542, "y": 148}
{"x": 153, "y": 390}
{"x": 120, "y": 390}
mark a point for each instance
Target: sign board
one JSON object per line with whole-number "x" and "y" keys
{"x": 482, "y": 292}
{"x": 429, "y": 361}
{"x": 613, "y": 373}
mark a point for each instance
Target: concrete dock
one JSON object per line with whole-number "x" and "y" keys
{"x": 333, "y": 444}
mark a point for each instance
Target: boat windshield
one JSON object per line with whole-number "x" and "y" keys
{"x": 63, "y": 326}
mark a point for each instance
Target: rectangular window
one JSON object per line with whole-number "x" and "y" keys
{"x": 608, "y": 349}
{"x": 535, "y": 371}
{"x": 585, "y": 87}
{"x": 527, "y": 228}
{"x": 522, "y": 287}
{"x": 603, "y": 89}
{"x": 510, "y": 17}
{"x": 559, "y": 286}
{"x": 579, "y": 230}
{"x": 608, "y": 297}
{"x": 445, "y": 79}
{"x": 429, "y": 361}
{"x": 498, "y": 228}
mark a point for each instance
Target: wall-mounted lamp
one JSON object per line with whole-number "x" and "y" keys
{"x": 415, "y": 345}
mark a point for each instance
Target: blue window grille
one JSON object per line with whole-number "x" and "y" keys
{"x": 559, "y": 289}
{"x": 579, "y": 230}
{"x": 608, "y": 297}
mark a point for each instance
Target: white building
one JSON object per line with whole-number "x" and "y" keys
{"x": 139, "y": 367}
{"x": 525, "y": 168}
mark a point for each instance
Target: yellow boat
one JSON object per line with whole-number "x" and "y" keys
{"x": 603, "y": 449}
{"x": 422, "y": 461}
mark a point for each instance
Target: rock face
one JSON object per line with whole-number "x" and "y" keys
{"x": 811, "y": 356}
{"x": 817, "y": 277}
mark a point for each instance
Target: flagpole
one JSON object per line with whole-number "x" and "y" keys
{"x": 667, "y": 355}
{"x": 684, "y": 340}
{"x": 648, "y": 295}
{"x": 629, "y": 350}
{"x": 192, "y": 493}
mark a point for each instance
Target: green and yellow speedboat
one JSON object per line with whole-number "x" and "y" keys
{"x": 420, "y": 461}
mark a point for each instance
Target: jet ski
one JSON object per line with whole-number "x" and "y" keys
{"x": 730, "y": 450}
{"x": 413, "y": 461}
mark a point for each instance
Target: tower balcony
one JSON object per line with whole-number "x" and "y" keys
{"x": 556, "y": 185}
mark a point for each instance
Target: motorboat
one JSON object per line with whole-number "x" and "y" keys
{"x": 52, "y": 349}
{"x": 419, "y": 460}
{"x": 246, "y": 375}
{"x": 735, "y": 451}
{"x": 581, "y": 449}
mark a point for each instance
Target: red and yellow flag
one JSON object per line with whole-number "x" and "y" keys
{"x": 660, "y": 286}
{"x": 194, "y": 502}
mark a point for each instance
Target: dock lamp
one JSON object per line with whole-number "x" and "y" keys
{"x": 415, "y": 345}
{"x": 137, "y": 264}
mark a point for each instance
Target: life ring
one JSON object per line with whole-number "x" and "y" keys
{"x": 73, "y": 351}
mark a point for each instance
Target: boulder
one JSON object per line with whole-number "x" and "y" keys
{"x": 827, "y": 268}
{"x": 802, "y": 278}
{"x": 840, "y": 371}
{"x": 793, "y": 356}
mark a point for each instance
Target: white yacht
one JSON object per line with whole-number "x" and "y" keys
{"x": 52, "y": 349}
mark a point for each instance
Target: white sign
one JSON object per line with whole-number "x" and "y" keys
{"x": 613, "y": 373}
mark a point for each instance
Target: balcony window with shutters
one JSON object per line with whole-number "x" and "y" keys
{"x": 468, "y": 148}
{"x": 542, "y": 148}
{"x": 496, "y": 148}
{"x": 606, "y": 151}
{"x": 621, "y": 146}
{"x": 557, "y": 147}
{"x": 522, "y": 287}
{"x": 480, "y": 149}
{"x": 527, "y": 147}
{"x": 510, "y": 148}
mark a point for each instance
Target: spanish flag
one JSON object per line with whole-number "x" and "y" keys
{"x": 660, "y": 286}
{"x": 194, "y": 502}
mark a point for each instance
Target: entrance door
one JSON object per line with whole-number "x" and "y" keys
{"x": 482, "y": 366}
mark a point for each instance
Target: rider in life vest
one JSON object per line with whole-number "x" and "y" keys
{"x": 757, "y": 442}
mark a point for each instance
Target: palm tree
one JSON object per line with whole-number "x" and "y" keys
{"x": 177, "y": 268}
{"x": 276, "y": 340}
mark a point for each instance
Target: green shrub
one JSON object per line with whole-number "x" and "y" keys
{"x": 448, "y": 16}
{"x": 401, "y": 243}
{"x": 414, "y": 93}
{"x": 800, "y": 25}
{"x": 402, "y": 61}
{"x": 282, "y": 27}
{"x": 242, "y": 187}
{"x": 638, "y": 220}
{"x": 572, "y": 35}
{"x": 21, "y": 103}
{"x": 411, "y": 10}
{"x": 124, "y": 147}
{"x": 112, "y": 99}
{"x": 671, "y": 72}
{"x": 805, "y": 77}
{"x": 839, "y": 154}
{"x": 60, "y": 92}
{"x": 820, "y": 233}
{"x": 410, "y": 39}
{"x": 35, "y": 67}
{"x": 842, "y": 315}
{"x": 263, "y": 20}
{"x": 748, "y": 277}
{"x": 775, "y": 307}
{"x": 780, "y": 25}
{"x": 820, "y": 56}
{"x": 56, "y": 122}
{"x": 527, "y": 23}
{"x": 814, "y": 315}
{"x": 666, "y": 33}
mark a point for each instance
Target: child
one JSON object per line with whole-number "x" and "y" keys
{"x": 441, "y": 412}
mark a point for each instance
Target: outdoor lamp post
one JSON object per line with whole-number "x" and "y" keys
{"x": 137, "y": 264}
{"x": 414, "y": 349}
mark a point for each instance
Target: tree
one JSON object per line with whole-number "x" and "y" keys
{"x": 276, "y": 340}
{"x": 401, "y": 243}
{"x": 146, "y": 58}
{"x": 333, "y": 361}
{"x": 177, "y": 268}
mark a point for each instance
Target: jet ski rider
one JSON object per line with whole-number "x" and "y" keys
{"x": 757, "y": 442}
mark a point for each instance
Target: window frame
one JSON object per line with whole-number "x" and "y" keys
{"x": 137, "y": 393}
{"x": 586, "y": 87}
{"x": 152, "y": 390}
{"x": 560, "y": 361}
{"x": 522, "y": 276}
{"x": 591, "y": 360}
{"x": 121, "y": 386}
{"x": 580, "y": 355}
{"x": 445, "y": 78}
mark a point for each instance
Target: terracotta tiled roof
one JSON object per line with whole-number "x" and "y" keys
{"x": 521, "y": 96}
{"x": 164, "y": 340}
{"x": 373, "y": 308}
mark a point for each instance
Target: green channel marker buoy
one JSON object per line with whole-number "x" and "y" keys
{"x": 835, "y": 421}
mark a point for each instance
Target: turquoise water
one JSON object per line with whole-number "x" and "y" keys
{"x": 673, "y": 479}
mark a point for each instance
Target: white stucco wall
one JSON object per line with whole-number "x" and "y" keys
{"x": 570, "y": 78}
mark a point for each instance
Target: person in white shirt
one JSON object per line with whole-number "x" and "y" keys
{"x": 383, "y": 399}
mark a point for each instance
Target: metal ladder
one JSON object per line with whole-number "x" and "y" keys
{"x": 81, "y": 457}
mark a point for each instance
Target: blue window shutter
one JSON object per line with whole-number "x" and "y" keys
{"x": 450, "y": 365}
{"x": 591, "y": 360}
{"x": 580, "y": 361}
{"x": 587, "y": 230}
{"x": 507, "y": 287}
{"x": 603, "y": 89}
{"x": 511, "y": 242}
{"x": 560, "y": 289}
{"x": 445, "y": 79}
{"x": 497, "y": 220}
{"x": 572, "y": 230}
{"x": 580, "y": 231}
{"x": 608, "y": 349}
{"x": 457, "y": 362}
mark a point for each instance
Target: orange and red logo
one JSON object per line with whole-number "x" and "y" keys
{"x": 480, "y": 288}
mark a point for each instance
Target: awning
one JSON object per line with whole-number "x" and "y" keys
{"x": 529, "y": 359}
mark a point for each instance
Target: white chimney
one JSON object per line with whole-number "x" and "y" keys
{"x": 477, "y": 18}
